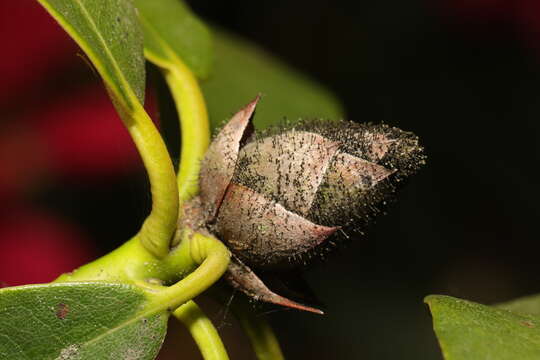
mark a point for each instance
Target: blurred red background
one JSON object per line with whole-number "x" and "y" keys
{"x": 58, "y": 127}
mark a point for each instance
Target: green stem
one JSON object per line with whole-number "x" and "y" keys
{"x": 213, "y": 258}
{"x": 194, "y": 124}
{"x": 260, "y": 333}
{"x": 131, "y": 263}
{"x": 158, "y": 229}
{"x": 203, "y": 331}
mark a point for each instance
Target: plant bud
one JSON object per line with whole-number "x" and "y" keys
{"x": 275, "y": 199}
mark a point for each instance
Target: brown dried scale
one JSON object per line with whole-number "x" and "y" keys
{"x": 262, "y": 232}
{"x": 277, "y": 198}
{"x": 287, "y": 168}
{"x": 351, "y": 187}
{"x": 243, "y": 278}
{"x": 219, "y": 162}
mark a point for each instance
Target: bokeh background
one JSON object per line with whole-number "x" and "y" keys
{"x": 462, "y": 74}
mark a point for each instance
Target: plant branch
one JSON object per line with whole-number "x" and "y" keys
{"x": 158, "y": 229}
{"x": 194, "y": 127}
{"x": 189, "y": 101}
{"x": 203, "y": 331}
{"x": 213, "y": 257}
{"x": 132, "y": 263}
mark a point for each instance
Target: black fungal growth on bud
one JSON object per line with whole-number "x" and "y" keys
{"x": 278, "y": 198}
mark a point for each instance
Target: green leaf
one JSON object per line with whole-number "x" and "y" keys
{"x": 109, "y": 33}
{"x": 242, "y": 70}
{"x": 171, "y": 30}
{"x": 467, "y": 330}
{"x": 78, "y": 321}
{"x": 526, "y": 305}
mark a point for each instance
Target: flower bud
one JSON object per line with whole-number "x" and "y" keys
{"x": 276, "y": 198}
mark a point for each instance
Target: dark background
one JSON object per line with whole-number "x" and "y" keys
{"x": 463, "y": 75}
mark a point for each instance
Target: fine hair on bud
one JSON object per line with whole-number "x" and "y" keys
{"x": 278, "y": 198}
{"x": 336, "y": 174}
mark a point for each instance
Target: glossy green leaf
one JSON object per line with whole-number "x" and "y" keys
{"x": 242, "y": 70}
{"x": 172, "y": 30}
{"x": 78, "y": 321}
{"x": 467, "y": 330}
{"x": 525, "y": 305}
{"x": 109, "y": 33}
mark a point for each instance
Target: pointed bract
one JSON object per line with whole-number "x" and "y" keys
{"x": 244, "y": 279}
{"x": 219, "y": 162}
{"x": 262, "y": 233}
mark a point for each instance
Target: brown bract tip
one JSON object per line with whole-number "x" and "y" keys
{"x": 244, "y": 279}
{"x": 219, "y": 162}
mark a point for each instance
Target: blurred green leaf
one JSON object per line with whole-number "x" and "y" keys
{"x": 78, "y": 321}
{"x": 529, "y": 305}
{"x": 172, "y": 30}
{"x": 467, "y": 330}
{"x": 108, "y": 32}
{"x": 242, "y": 70}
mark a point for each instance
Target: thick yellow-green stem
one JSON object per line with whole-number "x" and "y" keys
{"x": 194, "y": 125}
{"x": 203, "y": 331}
{"x": 132, "y": 263}
{"x": 159, "y": 227}
{"x": 213, "y": 258}
{"x": 199, "y": 261}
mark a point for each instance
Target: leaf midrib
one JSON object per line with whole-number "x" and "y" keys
{"x": 116, "y": 67}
